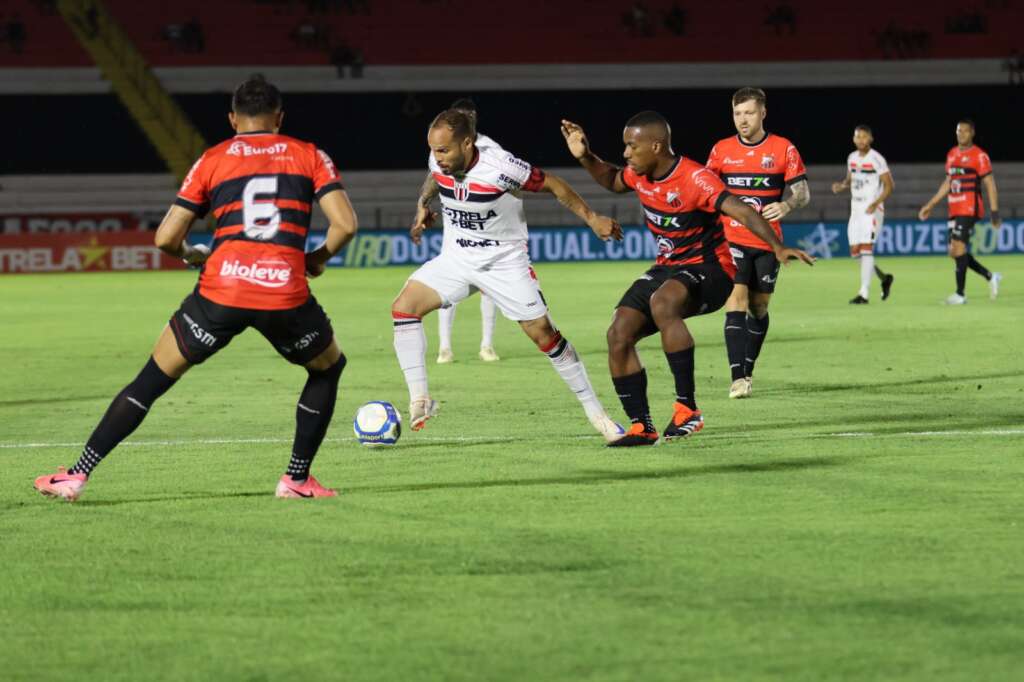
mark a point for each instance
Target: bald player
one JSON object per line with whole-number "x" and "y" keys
{"x": 693, "y": 274}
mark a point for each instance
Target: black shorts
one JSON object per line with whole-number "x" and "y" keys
{"x": 708, "y": 284}
{"x": 202, "y": 327}
{"x": 757, "y": 269}
{"x": 961, "y": 228}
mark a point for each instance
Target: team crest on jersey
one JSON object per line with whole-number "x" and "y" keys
{"x": 673, "y": 199}
{"x": 767, "y": 161}
{"x": 460, "y": 190}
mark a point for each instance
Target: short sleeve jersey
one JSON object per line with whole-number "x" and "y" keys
{"x": 681, "y": 211}
{"x": 966, "y": 168}
{"x": 483, "y": 212}
{"x": 260, "y": 188}
{"x": 758, "y": 174}
{"x": 865, "y": 177}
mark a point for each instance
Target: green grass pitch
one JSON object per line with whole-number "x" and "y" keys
{"x": 859, "y": 519}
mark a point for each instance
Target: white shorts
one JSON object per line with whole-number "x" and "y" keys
{"x": 864, "y": 227}
{"x": 510, "y": 282}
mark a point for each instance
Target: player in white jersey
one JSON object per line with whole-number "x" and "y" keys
{"x": 488, "y": 311}
{"x": 485, "y": 249}
{"x": 870, "y": 184}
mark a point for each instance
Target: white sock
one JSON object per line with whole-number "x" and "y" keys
{"x": 445, "y": 320}
{"x": 569, "y": 366}
{"x": 867, "y": 269}
{"x": 411, "y": 349}
{"x": 488, "y": 314}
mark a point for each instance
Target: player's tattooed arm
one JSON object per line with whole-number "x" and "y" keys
{"x": 604, "y": 227}
{"x": 926, "y": 210}
{"x": 741, "y": 212}
{"x": 170, "y": 236}
{"x": 424, "y": 216}
{"x": 989, "y": 183}
{"x": 605, "y": 174}
{"x": 838, "y": 187}
{"x": 342, "y": 226}
{"x": 800, "y": 196}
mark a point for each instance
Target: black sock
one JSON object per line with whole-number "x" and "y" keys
{"x": 736, "y": 342}
{"x": 123, "y": 416}
{"x": 961, "y": 273}
{"x": 632, "y": 390}
{"x": 757, "y": 330}
{"x": 878, "y": 271}
{"x": 313, "y": 416}
{"x": 681, "y": 364}
{"x": 973, "y": 264}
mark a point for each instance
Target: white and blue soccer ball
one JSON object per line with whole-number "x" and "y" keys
{"x": 377, "y": 423}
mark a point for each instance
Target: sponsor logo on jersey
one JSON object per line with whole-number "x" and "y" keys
{"x": 753, "y": 202}
{"x": 661, "y": 220}
{"x": 476, "y": 243}
{"x": 665, "y": 246}
{"x": 240, "y": 148}
{"x": 732, "y": 162}
{"x": 736, "y": 253}
{"x": 468, "y": 220}
{"x": 265, "y": 273}
{"x": 750, "y": 181}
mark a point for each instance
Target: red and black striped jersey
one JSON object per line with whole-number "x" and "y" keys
{"x": 757, "y": 174}
{"x": 260, "y": 187}
{"x": 681, "y": 210}
{"x": 966, "y": 168}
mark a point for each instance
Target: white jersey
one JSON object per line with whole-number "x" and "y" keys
{"x": 865, "y": 177}
{"x": 484, "y": 218}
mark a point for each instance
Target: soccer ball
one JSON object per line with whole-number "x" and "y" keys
{"x": 377, "y": 423}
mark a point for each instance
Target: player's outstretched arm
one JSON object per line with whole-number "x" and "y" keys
{"x": 838, "y": 187}
{"x": 604, "y": 173}
{"x": 604, "y": 227}
{"x": 989, "y": 183}
{"x": 424, "y": 216}
{"x": 749, "y": 218}
{"x": 342, "y": 226}
{"x": 926, "y": 210}
{"x": 170, "y": 236}
{"x": 799, "y": 196}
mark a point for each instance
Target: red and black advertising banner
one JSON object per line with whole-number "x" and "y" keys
{"x": 83, "y": 252}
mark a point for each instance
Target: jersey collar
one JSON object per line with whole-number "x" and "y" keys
{"x": 669, "y": 173}
{"x": 753, "y": 144}
{"x": 476, "y": 157}
{"x": 255, "y": 132}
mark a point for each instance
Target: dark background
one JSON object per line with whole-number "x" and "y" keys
{"x": 95, "y": 134}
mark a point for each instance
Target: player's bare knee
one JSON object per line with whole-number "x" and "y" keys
{"x": 620, "y": 341}
{"x": 666, "y": 307}
{"x": 540, "y": 331}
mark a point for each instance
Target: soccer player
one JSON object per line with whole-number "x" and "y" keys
{"x": 756, "y": 166}
{"x": 870, "y": 184}
{"x": 260, "y": 185}
{"x": 966, "y": 165}
{"x": 488, "y": 311}
{"x": 693, "y": 274}
{"x": 485, "y": 249}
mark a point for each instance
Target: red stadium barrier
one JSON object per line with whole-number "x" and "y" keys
{"x": 84, "y": 252}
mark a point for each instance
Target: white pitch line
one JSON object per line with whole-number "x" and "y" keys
{"x": 248, "y": 441}
{"x": 502, "y": 439}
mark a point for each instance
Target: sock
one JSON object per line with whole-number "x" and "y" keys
{"x": 488, "y": 315}
{"x": 632, "y": 391}
{"x": 758, "y": 330}
{"x": 867, "y": 265}
{"x": 313, "y": 415}
{"x": 736, "y": 342}
{"x": 878, "y": 271}
{"x": 445, "y": 320}
{"x": 961, "y": 273}
{"x": 973, "y": 264}
{"x": 123, "y": 416}
{"x": 411, "y": 349}
{"x": 569, "y": 366}
{"x": 681, "y": 364}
